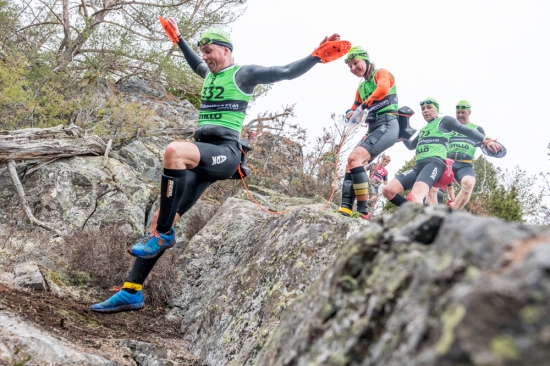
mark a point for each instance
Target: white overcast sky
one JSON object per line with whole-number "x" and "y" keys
{"x": 492, "y": 53}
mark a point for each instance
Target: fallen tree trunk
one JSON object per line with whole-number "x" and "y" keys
{"x": 48, "y": 143}
{"x": 65, "y": 141}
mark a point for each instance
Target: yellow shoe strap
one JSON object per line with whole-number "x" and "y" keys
{"x": 345, "y": 210}
{"x": 133, "y": 286}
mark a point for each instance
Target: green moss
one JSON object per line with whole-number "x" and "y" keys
{"x": 55, "y": 279}
{"x": 227, "y": 337}
{"x": 472, "y": 273}
{"x": 530, "y": 314}
{"x": 348, "y": 283}
{"x": 538, "y": 296}
{"x": 359, "y": 326}
{"x": 444, "y": 262}
{"x": 450, "y": 318}
{"x": 273, "y": 289}
{"x": 337, "y": 359}
{"x": 504, "y": 347}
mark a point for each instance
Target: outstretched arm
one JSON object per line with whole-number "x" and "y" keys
{"x": 451, "y": 124}
{"x": 249, "y": 76}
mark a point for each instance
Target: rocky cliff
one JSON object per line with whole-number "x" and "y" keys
{"x": 424, "y": 286}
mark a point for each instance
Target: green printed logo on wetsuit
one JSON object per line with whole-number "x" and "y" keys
{"x": 461, "y": 144}
{"x": 222, "y": 102}
{"x": 432, "y": 142}
{"x": 379, "y": 107}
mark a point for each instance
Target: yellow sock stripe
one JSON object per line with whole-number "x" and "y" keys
{"x": 345, "y": 210}
{"x": 133, "y": 286}
{"x": 361, "y": 192}
{"x": 361, "y": 185}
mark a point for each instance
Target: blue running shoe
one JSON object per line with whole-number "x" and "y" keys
{"x": 152, "y": 244}
{"x": 122, "y": 300}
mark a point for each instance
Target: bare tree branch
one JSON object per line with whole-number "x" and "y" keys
{"x": 21, "y": 193}
{"x": 38, "y": 24}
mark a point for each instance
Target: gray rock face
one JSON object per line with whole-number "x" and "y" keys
{"x": 138, "y": 86}
{"x": 78, "y": 192}
{"x": 147, "y": 354}
{"x": 278, "y": 159}
{"x": 22, "y": 343}
{"x": 146, "y": 156}
{"x": 240, "y": 273}
{"x": 478, "y": 294}
{"x": 28, "y": 275}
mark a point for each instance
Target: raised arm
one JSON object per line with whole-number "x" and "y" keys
{"x": 194, "y": 60}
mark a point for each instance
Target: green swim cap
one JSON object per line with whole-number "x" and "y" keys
{"x": 463, "y": 104}
{"x": 216, "y": 36}
{"x": 431, "y": 101}
{"x": 357, "y": 52}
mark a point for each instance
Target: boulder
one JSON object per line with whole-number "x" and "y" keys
{"x": 245, "y": 267}
{"x": 29, "y": 275}
{"x": 22, "y": 343}
{"x": 425, "y": 287}
{"x": 147, "y": 354}
{"x": 78, "y": 192}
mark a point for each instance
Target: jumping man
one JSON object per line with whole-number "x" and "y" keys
{"x": 190, "y": 167}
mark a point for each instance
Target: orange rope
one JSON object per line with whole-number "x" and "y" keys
{"x": 254, "y": 200}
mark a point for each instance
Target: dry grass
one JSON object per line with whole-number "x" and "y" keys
{"x": 98, "y": 258}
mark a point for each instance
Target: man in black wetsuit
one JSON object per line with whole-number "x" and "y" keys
{"x": 190, "y": 167}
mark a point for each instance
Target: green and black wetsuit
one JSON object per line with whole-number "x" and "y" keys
{"x": 224, "y": 100}
{"x": 431, "y": 146}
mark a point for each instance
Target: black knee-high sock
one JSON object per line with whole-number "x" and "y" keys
{"x": 171, "y": 192}
{"x": 348, "y": 194}
{"x": 140, "y": 271}
{"x": 361, "y": 188}
{"x": 398, "y": 200}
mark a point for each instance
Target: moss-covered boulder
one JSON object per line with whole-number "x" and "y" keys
{"x": 425, "y": 287}
{"x": 245, "y": 267}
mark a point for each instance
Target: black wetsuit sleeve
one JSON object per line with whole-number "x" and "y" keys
{"x": 249, "y": 76}
{"x": 481, "y": 130}
{"x": 194, "y": 60}
{"x": 449, "y": 124}
{"x": 411, "y": 143}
